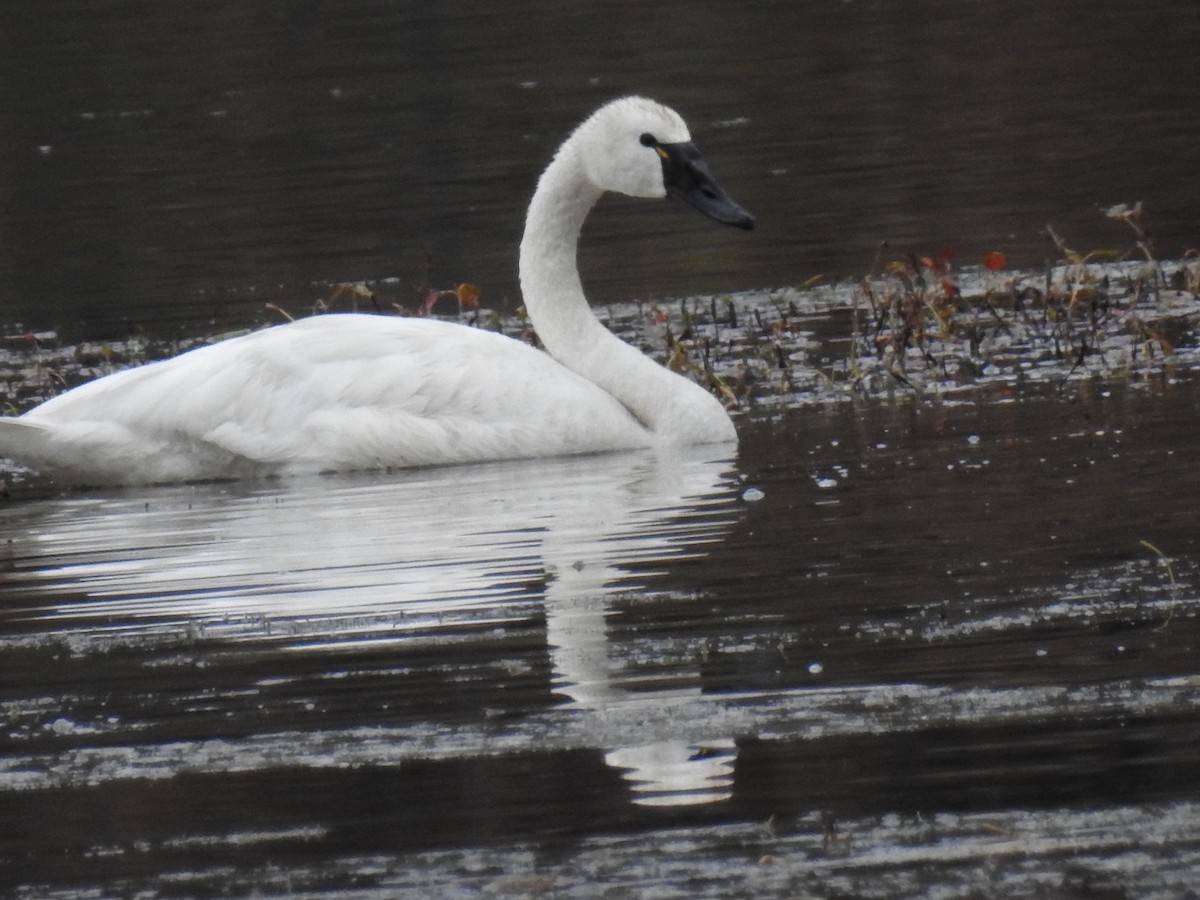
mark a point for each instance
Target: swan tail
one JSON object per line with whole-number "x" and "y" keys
{"x": 24, "y": 442}
{"x": 96, "y": 453}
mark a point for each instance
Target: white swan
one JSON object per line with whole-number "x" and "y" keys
{"x": 344, "y": 392}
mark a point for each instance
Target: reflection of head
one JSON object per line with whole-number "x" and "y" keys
{"x": 671, "y": 773}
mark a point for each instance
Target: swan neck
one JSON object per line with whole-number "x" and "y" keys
{"x": 548, "y": 269}
{"x": 667, "y": 405}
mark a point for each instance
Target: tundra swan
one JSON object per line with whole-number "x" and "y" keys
{"x": 351, "y": 391}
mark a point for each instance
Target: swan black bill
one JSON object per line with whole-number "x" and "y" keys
{"x": 686, "y": 176}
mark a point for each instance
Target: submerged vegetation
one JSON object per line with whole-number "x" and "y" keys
{"x": 916, "y": 324}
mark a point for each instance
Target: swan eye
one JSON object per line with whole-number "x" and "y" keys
{"x": 649, "y": 140}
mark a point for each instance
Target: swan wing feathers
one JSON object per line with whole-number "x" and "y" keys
{"x": 331, "y": 392}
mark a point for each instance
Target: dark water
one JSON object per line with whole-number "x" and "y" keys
{"x": 932, "y": 644}
{"x": 173, "y": 165}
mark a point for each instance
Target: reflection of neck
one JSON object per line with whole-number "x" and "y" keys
{"x": 645, "y": 508}
{"x": 660, "y": 773}
{"x": 669, "y": 405}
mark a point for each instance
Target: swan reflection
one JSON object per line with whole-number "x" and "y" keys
{"x": 337, "y": 563}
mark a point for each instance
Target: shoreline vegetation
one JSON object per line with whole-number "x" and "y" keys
{"x": 917, "y": 324}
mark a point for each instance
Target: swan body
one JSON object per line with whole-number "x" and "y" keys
{"x": 350, "y": 391}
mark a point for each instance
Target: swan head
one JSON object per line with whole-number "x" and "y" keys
{"x": 638, "y": 147}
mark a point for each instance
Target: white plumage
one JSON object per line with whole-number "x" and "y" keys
{"x": 343, "y": 392}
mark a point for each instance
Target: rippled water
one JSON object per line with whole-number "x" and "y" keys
{"x": 931, "y": 641}
{"x": 891, "y": 648}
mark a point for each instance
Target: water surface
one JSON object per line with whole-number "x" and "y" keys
{"x": 925, "y": 641}
{"x": 933, "y": 644}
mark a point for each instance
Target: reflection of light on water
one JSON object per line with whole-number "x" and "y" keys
{"x": 845, "y": 711}
{"x": 410, "y": 559}
{"x": 471, "y": 538}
